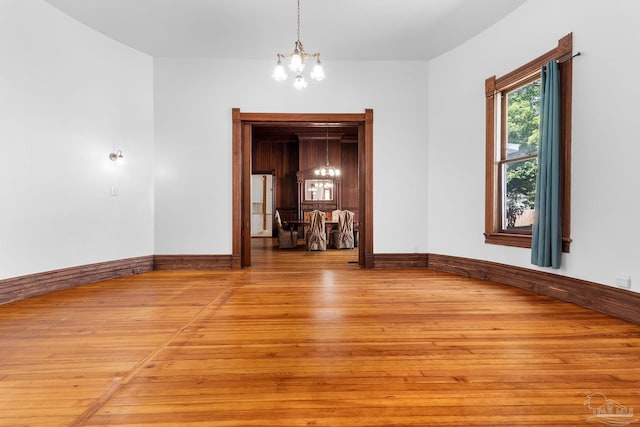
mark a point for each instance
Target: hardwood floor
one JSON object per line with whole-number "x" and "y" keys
{"x": 308, "y": 338}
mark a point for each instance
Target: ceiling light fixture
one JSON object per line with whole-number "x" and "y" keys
{"x": 298, "y": 57}
{"x": 327, "y": 169}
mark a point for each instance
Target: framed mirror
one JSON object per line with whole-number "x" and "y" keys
{"x": 319, "y": 189}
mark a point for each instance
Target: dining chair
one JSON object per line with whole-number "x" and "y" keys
{"x": 287, "y": 239}
{"x": 343, "y": 237}
{"x": 316, "y": 235}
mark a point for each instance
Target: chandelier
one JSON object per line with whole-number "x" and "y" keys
{"x": 298, "y": 57}
{"x": 327, "y": 169}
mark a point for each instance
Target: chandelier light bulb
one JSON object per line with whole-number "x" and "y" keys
{"x": 317, "y": 73}
{"x": 300, "y": 82}
{"x": 296, "y": 65}
{"x": 279, "y": 74}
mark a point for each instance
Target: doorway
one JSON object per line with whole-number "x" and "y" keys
{"x": 262, "y": 204}
{"x": 242, "y": 126}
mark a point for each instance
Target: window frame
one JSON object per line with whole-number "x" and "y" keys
{"x": 494, "y": 234}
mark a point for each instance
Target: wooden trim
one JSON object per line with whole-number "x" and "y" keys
{"x": 365, "y": 153}
{"x": 490, "y": 199}
{"x": 392, "y": 261}
{"x": 561, "y": 52}
{"x": 508, "y": 239}
{"x": 246, "y": 194}
{"x": 566, "y": 86}
{"x": 365, "y": 171}
{"x": 616, "y": 302}
{"x": 564, "y": 51}
{"x": 319, "y": 118}
{"x": 236, "y": 166}
{"x": 193, "y": 262}
{"x": 18, "y": 288}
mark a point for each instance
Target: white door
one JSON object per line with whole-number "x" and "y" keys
{"x": 261, "y": 205}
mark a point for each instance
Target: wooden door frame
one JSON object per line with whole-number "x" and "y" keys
{"x": 241, "y": 170}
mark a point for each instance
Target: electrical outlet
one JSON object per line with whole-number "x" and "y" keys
{"x": 114, "y": 191}
{"x": 623, "y": 281}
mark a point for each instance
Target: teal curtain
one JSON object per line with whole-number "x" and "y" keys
{"x": 546, "y": 243}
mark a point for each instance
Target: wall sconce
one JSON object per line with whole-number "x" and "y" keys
{"x": 117, "y": 157}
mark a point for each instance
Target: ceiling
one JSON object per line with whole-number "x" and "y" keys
{"x": 287, "y": 132}
{"x": 358, "y": 30}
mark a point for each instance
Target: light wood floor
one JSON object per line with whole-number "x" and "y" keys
{"x": 309, "y": 339}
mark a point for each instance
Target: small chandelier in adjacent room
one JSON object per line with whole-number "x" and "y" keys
{"x": 297, "y": 64}
{"x": 327, "y": 169}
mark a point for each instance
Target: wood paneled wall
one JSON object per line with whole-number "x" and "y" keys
{"x": 349, "y": 171}
{"x": 281, "y": 157}
{"x": 313, "y": 153}
{"x": 286, "y": 158}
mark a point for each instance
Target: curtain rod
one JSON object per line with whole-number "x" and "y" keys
{"x": 576, "y": 54}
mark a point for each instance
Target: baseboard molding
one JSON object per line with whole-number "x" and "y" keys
{"x": 401, "y": 261}
{"x": 193, "y": 262}
{"x": 615, "y": 302}
{"x": 18, "y": 288}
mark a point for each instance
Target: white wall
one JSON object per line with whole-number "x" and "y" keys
{"x": 193, "y": 102}
{"x": 68, "y": 96}
{"x": 605, "y": 149}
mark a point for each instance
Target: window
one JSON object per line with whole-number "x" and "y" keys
{"x": 512, "y": 112}
{"x": 518, "y": 164}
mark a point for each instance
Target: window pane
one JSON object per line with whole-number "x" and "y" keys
{"x": 523, "y": 118}
{"x": 519, "y": 194}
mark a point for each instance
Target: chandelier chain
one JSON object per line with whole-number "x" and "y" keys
{"x": 327, "y": 170}
{"x": 327, "y": 144}
{"x": 298, "y": 32}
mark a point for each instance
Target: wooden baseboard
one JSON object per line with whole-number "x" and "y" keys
{"x": 22, "y": 287}
{"x": 400, "y": 261}
{"x": 18, "y": 288}
{"x": 192, "y": 262}
{"x": 615, "y": 302}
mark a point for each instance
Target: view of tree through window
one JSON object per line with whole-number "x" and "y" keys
{"x": 519, "y": 164}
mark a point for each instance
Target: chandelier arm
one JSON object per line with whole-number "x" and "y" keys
{"x": 306, "y": 55}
